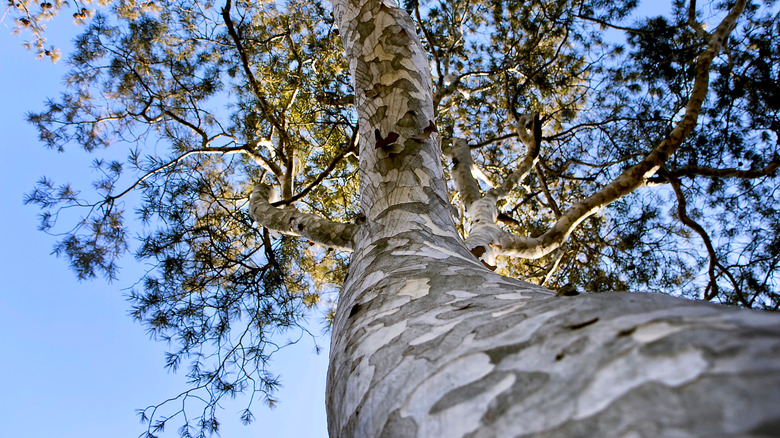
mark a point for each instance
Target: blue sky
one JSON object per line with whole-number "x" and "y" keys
{"x": 73, "y": 362}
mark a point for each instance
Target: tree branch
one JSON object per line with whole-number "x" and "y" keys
{"x": 324, "y": 174}
{"x": 291, "y": 221}
{"x": 682, "y": 214}
{"x": 689, "y": 171}
{"x": 543, "y": 182}
{"x": 522, "y": 124}
{"x": 264, "y": 105}
{"x": 483, "y": 209}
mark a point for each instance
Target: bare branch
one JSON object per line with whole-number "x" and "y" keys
{"x": 492, "y": 140}
{"x": 324, "y": 174}
{"x": 695, "y": 25}
{"x": 264, "y": 105}
{"x": 710, "y": 172}
{"x": 550, "y": 200}
{"x": 613, "y": 26}
{"x": 216, "y": 150}
{"x": 523, "y": 123}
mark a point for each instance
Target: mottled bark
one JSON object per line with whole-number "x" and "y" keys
{"x": 427, "y": 342}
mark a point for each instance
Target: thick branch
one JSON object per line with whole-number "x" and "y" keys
{"x": 531, "y": 142}
{"x": 483, "y": 209}
{"x": 462, "y": 163}
{"x": 291, "y": 221}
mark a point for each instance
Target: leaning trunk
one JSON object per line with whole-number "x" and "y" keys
{"x": 428, "y": 342}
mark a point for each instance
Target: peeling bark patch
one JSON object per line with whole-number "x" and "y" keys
{"x": 398, "y": 426}
{"x": 655, "y": 330}
{"x": 582, "y": 324}
{"x": 415, "y": 288}
{"x": 496, "y": 355}
{"x": 620, "y": 376}
{"x": 525, "y": 385}
{"x": 576, "y": 347}
{"x": 499, "y": 325}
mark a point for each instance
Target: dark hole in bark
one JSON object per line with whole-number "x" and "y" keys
{"x": 467, "y": 306}
{"x": 583, "y": 324}
{"x": 626, "y": 332}
{"x": 385, "y": 142}
{"x": 355, "y": 310}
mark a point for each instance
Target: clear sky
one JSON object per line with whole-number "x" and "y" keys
{"x": 73, "y": 363}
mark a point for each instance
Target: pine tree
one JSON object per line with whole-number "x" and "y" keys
{"x": 577, "y": 159}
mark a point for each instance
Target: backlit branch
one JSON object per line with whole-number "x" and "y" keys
{"x": 682, "y": 214}
{"x": 711, "y": 172}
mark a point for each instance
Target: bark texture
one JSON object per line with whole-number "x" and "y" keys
{"x": 430, "y": 344}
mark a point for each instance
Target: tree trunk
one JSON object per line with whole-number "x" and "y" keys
{"x": 428, "y": 342}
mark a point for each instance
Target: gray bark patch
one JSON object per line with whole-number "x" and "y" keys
{"x": 467, "y": 392}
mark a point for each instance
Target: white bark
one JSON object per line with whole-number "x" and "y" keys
{"x": 428, "y": 343}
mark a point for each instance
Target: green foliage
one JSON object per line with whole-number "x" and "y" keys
{"x": 213, "y": 98}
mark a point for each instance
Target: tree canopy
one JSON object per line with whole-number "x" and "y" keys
{"x": 187, "y": 106}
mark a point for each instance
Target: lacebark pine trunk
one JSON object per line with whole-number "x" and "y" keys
{"x": 427, "y": 342}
